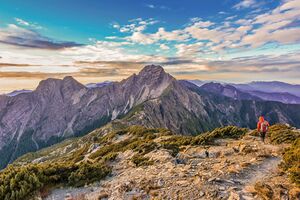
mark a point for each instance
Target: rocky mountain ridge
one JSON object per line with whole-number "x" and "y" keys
{"x": 60, "y": 109}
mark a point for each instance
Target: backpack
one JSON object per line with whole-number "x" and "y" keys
{"x": 264, "y": 126}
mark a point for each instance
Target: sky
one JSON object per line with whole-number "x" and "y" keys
{"x": 99, "y": 40}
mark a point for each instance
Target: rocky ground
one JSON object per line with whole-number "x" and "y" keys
{"x": 234, "y": 169}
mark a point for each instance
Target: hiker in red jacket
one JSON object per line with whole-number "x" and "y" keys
{"x": 262, "y": 127}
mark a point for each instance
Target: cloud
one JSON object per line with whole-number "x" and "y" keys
{"x": 284, "y": 36}
{"x": 14, "y": 65}
{"x": 175, "y": 35}
{"x": 164, "y": 47}
{"x": 160, "y": 35}
{"x": 277, "y": 25}
{"x": 204, "y": 33}
{"x": 136, "y": 25}
{"x": 188, "y": 50}
{"x": 111, "y": 37}
{"x": 22, "y": 22}
{"x": 162, "y": 7}
{"x": 103, "y": 50}
{"x": 245, "y": 4}
{"x": 139, "y": 37}
{"x": 261, "y": 63}
{"x": 26, "y": 75}
{"x": 150, "y": 6}
{"x": 117, "y": 26}
{"x": 231, "y": 17}
{"x": 18, "y": 36}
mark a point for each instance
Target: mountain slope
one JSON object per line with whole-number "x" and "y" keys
{"x": 148, "y": 163}
{"x": 228, "y": 91}
{"x": 187, "y": 109}
{"x": 59, "y": 109}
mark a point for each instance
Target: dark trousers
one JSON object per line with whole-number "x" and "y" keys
{"x": 263, "y": 136}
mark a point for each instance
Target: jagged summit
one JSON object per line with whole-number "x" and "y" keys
{"x": 154, "y": 75}
{"x": 152, "y": 69}
{"x": 53, "y": 83}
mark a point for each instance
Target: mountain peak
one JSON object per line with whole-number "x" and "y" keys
{"x": 154, "y": 73}
{"x": 47, "y": 83}
{"x": 68, "y": 78}
{"x": 55, "y": 84}
{"x": 152, "y": 69}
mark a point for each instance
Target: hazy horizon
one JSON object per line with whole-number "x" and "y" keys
{"x": 230, "y": 41}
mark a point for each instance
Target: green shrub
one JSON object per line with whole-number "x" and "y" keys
{"x": 140, "y": 131}
{"x": 88, "y": 173}
{"x": 143, "y": 146}
{"x": 79, "y": 154}
{"x": 140, "y": 160}
{"x": 173, "y": 147}
{"x": 109, "y": 148}
{"x": 179, "y": 140}
{"x": 291, "y": 162}
{"x": 208, "y": 137}
{"x": 22, "y": 182}
{"x": 110, "y": 156}
{"x": 281, "y": 133}
{"x": 107, "y": 138}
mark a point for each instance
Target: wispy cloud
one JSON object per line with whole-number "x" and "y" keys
{"x": 150, "y": 6}
{"x": 162, "y": 7}
{"x": 18, "y": 36}
{"x": 245, "y": 4}
{"x": 23, "y": 22}
{"x": 13, "y": 65}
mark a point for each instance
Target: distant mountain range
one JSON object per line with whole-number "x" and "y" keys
{"x": 59, "y": 109}
{"x": 266, "y": 91}
{"x": 242, "y": 94}
{"x": 98, "y": 85}
{"x": 270, "y": 87}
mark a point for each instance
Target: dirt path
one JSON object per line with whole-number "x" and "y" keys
{"x": 240, "y": 165}
{"x": 233, "y": 166}
{"x": 262, "y": 170}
